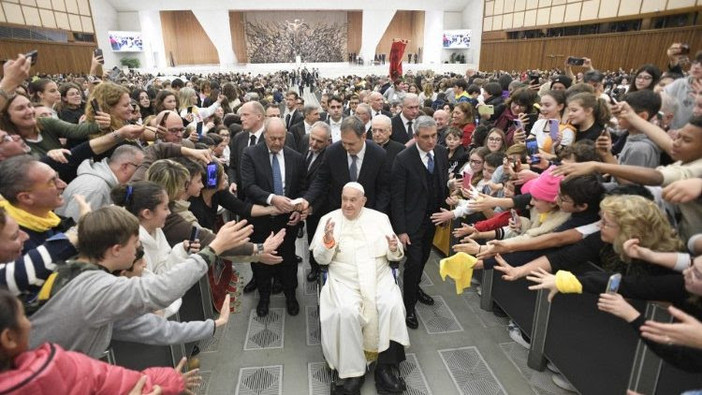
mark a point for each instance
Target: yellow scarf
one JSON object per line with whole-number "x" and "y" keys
{"x": 31, "y": 221}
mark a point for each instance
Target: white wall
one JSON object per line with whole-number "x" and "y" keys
{"x": 129, "y": 21}
{"x": 434, "y": 25}
{"x": 453, "y": 20}
{"x": 473, "y": 19}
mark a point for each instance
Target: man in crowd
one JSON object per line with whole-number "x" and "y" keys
{"x": 336, "y": 106}
{"x": 419, "y": 178}
{"x": 317, "y": 141}
{"x": 353, "y": 103}
{"x": 376, "y": 102}
{"x": 273, "y": 174}
{"x": 300, "y": 129}
{"x": 403, "y": 123}
{"x": 351, "y": 159}
{"x": 363, "y": 112}
{"x": 382, "y": 129}
{"x": 360, "y": 305}
{"x": 96, "y": 180}
{"x": 442, "y": 120}
{"x": 291, "y": 114}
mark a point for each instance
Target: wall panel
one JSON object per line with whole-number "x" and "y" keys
{"x": 53, "y": 58}
{"x": 354, "y": 31}
{"x": 185, "y": 41}
{"x": 408, "y": 25}
{"x": 608, "y": 51}
{"x": 238, "y": 32}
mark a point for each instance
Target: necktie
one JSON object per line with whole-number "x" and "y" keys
{"x": 308, "y": 161}
{"x": 410, "y": 132}
{"x": 430, "y": 163}
{"x": 252, "y": 140}
{"x": 277, "y": 178}
{"x": 353, "y": 170}
{"x": 287, "y": 121}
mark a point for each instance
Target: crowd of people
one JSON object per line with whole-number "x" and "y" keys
{"x": 114, "y": 193}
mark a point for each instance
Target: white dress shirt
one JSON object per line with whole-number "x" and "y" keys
{"x": 359, "y": 159}
{"x": 424, "y": 156}
{"x": 335, "y": 129}
{"x": 281, "y": 162}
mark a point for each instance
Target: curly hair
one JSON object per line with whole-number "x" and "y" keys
{"x": 640, "y": 218}
{"x": 107, "y": 94}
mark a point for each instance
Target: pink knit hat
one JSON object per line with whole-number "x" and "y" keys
{"x": 545, "y": 187}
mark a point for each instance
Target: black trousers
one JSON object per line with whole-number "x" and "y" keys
{"x": 312, "y": 223}
{"x": 393, "y": 355}
{"x": 286, "y": 271}
{"x": 417, "y": 255}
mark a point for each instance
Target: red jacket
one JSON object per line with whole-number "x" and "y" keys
{"x": 497, "y": 221}
{"x": 52, "y": 370}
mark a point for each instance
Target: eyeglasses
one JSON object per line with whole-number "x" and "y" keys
{"x": 494, "y": 139}
{"x": 176, "y": 130}
{"x": 476, "y": 162}
{"x": 605, "y": 224}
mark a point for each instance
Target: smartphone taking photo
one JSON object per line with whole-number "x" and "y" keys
{"x": 613, "y": 283}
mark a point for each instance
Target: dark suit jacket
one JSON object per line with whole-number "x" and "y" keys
{"x": 382, "y": 111}
{"x": 333, "y": 174}
{"x": 323, "y": 116}
{"x": 399, "y": 132}
{"x": 392, "y": 148}
{"x": 298, "y": 132}
{"x": 257, "y": 182}
{"x": 311, "y": 175}
{"x": 236, "y": 148}
{"x": 410, "y": 189}
{"x": 296, "y": 117}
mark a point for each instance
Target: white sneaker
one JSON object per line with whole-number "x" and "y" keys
{"x": 550, "y": 366}
{"x": 479, "y": 290}
{"x": 563, "y": 383}
{"x": 516, "y": 335}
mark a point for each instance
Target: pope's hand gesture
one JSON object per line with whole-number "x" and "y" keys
{"x": 392, "y": 243}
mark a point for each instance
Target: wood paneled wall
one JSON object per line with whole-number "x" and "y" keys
{"x": 607, "y": 51}
{"x": 408, "y": 25}
{"x": 54, "y": 58}
{"x": 185, "y": 41}
{"x": 354, "y": 27}
{"x": 238, "y": 32}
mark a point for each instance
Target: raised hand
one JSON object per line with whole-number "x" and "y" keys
{"x": 231, "y": 235}
{"x": 272, "y": 242}
{"x": 509, "y": 272}
{"x": 329, "y": 231}
{"x": 464, "y": 230}
{"x": 224, "y": 312}
{"x": 59, "y": 155}
{"x": 191, "y": 378}
{"x": 392, "y": 243}
{"x": 442, "y": 217}
{"x": 687, "y": 332}
{"x": 543, "y": 280}
{"x": 616, "y": 305}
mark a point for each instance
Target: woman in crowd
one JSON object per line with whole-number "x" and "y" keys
{"x": 589, "y": 114}
{"x": 519, "y": 107}
{"x": 144, "y": 102}
{"x": 553, "y": 105}
{"x": 45, "y": 92}
{"x": 71, "y": 107}
{"x": 495, "y": 140}
{"x": 463, "y": 119}
{"x": 189, "y": 110}
{"x": 165, "y": 100}
{"x": 646, "y": 77}
{"x": 49, "y": 369}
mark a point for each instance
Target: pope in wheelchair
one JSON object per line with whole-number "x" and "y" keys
{"x": 360, "y": 308}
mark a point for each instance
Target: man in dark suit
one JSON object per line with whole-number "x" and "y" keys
{"x": 323, "y": 103}
{"x": 442, "y": 119}
{"x": 291, "y": 115}
{"x": 382, "y": 128}
{"x": 353, "y": 102}
{"x": 363, "y": 112}
{"x": 403, "y": 123}
{"x": 377, "y": 102}
{"x": 352, "y": 159}
{"x": 273, "y": 174}
{"x": 300, "y": 129}
{"x": 419, "y": 177}
{"x": 336, "y": 116}
{"x": 317, "y": 142}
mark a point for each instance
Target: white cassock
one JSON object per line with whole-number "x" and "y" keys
{"x": 360, "y": 306}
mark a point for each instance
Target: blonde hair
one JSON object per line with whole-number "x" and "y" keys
{"x": 640, "y": 218}
{"x": 169, "y": 174}
{"x": 185, "y": 97}
{"x": 107, "y": 94}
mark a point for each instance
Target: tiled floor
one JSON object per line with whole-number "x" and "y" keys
{"x": 458, "y": 348}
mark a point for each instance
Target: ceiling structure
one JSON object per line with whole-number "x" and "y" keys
{"x": 140, "y": 5}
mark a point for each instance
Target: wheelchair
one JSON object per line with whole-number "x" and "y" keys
{"x": 370, "y": 357}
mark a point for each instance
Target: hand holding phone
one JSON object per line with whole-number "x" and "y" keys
{"x": 97, "y": 53}
{"x": 613, "y": 283}
{"x": 32, "y": 56}
{"x": 194, "y": 234}
{"x": 96, "y": 107}
{"x": 467, "y": 178}
{"x": 553, "y": 131}
{"x": 573, "y": 61}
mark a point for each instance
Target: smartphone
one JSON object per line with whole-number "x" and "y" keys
{"x": 211, "y": 175}
{"x": 96, "y": 107}
{"x": 98, "y": 53}
{"x": 684, "y": 49}
{"x": 515, "y": 217}
{"x": 532, "y": 148}
{"x": 518, "y": 124}
{"x": 486, "y": 109}
{"x": 33, "y": 54}
{"x": 573, "y": 61}
{"x": 553, "y": 132}
{"x": 534, "y": 79}
{"x": 613, "y": 283}
{"x": 467, "y": 178}
{"x": 190, "y": 109}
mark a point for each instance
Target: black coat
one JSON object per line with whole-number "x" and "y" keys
{"x": 333, "y": 174}
{"x": 392, "y": 148}
{"x": 410, "y": 189}
{"x": 399, "y": 132}
{"x": 236, "y": 148}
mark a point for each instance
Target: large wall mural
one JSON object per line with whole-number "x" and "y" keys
{"x": 279, "y": 37}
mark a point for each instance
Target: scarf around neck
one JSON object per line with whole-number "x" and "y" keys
{"x": 31, "y": 221}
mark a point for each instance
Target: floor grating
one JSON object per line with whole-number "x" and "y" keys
{"x": 540, "y": 382}
{"x": 438, "y": 318}
{"x": 265, "y": 332}
{"x": 313, "y": 329}
{"x": 469, "y": 372}
{"x": 264, "y": 380}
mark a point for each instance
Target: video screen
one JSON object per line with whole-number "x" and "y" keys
{"x": 126, "y": 41}
{"x": 456, "y": 39}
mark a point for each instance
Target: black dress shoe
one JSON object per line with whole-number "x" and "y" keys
{"x": 298, "y": 259}
{"x": 251, "y": 286}
{"x": 292, "y": 306}
{"x": 352, "y": 386}
{"x": 277, "y": 287}
{"x": 411, "y": 320}
{"x": 423, "y": 298}
{"x": 386, "y": 382}
{"x": 262, "y": 308}
{"x": 313, "y": 276}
